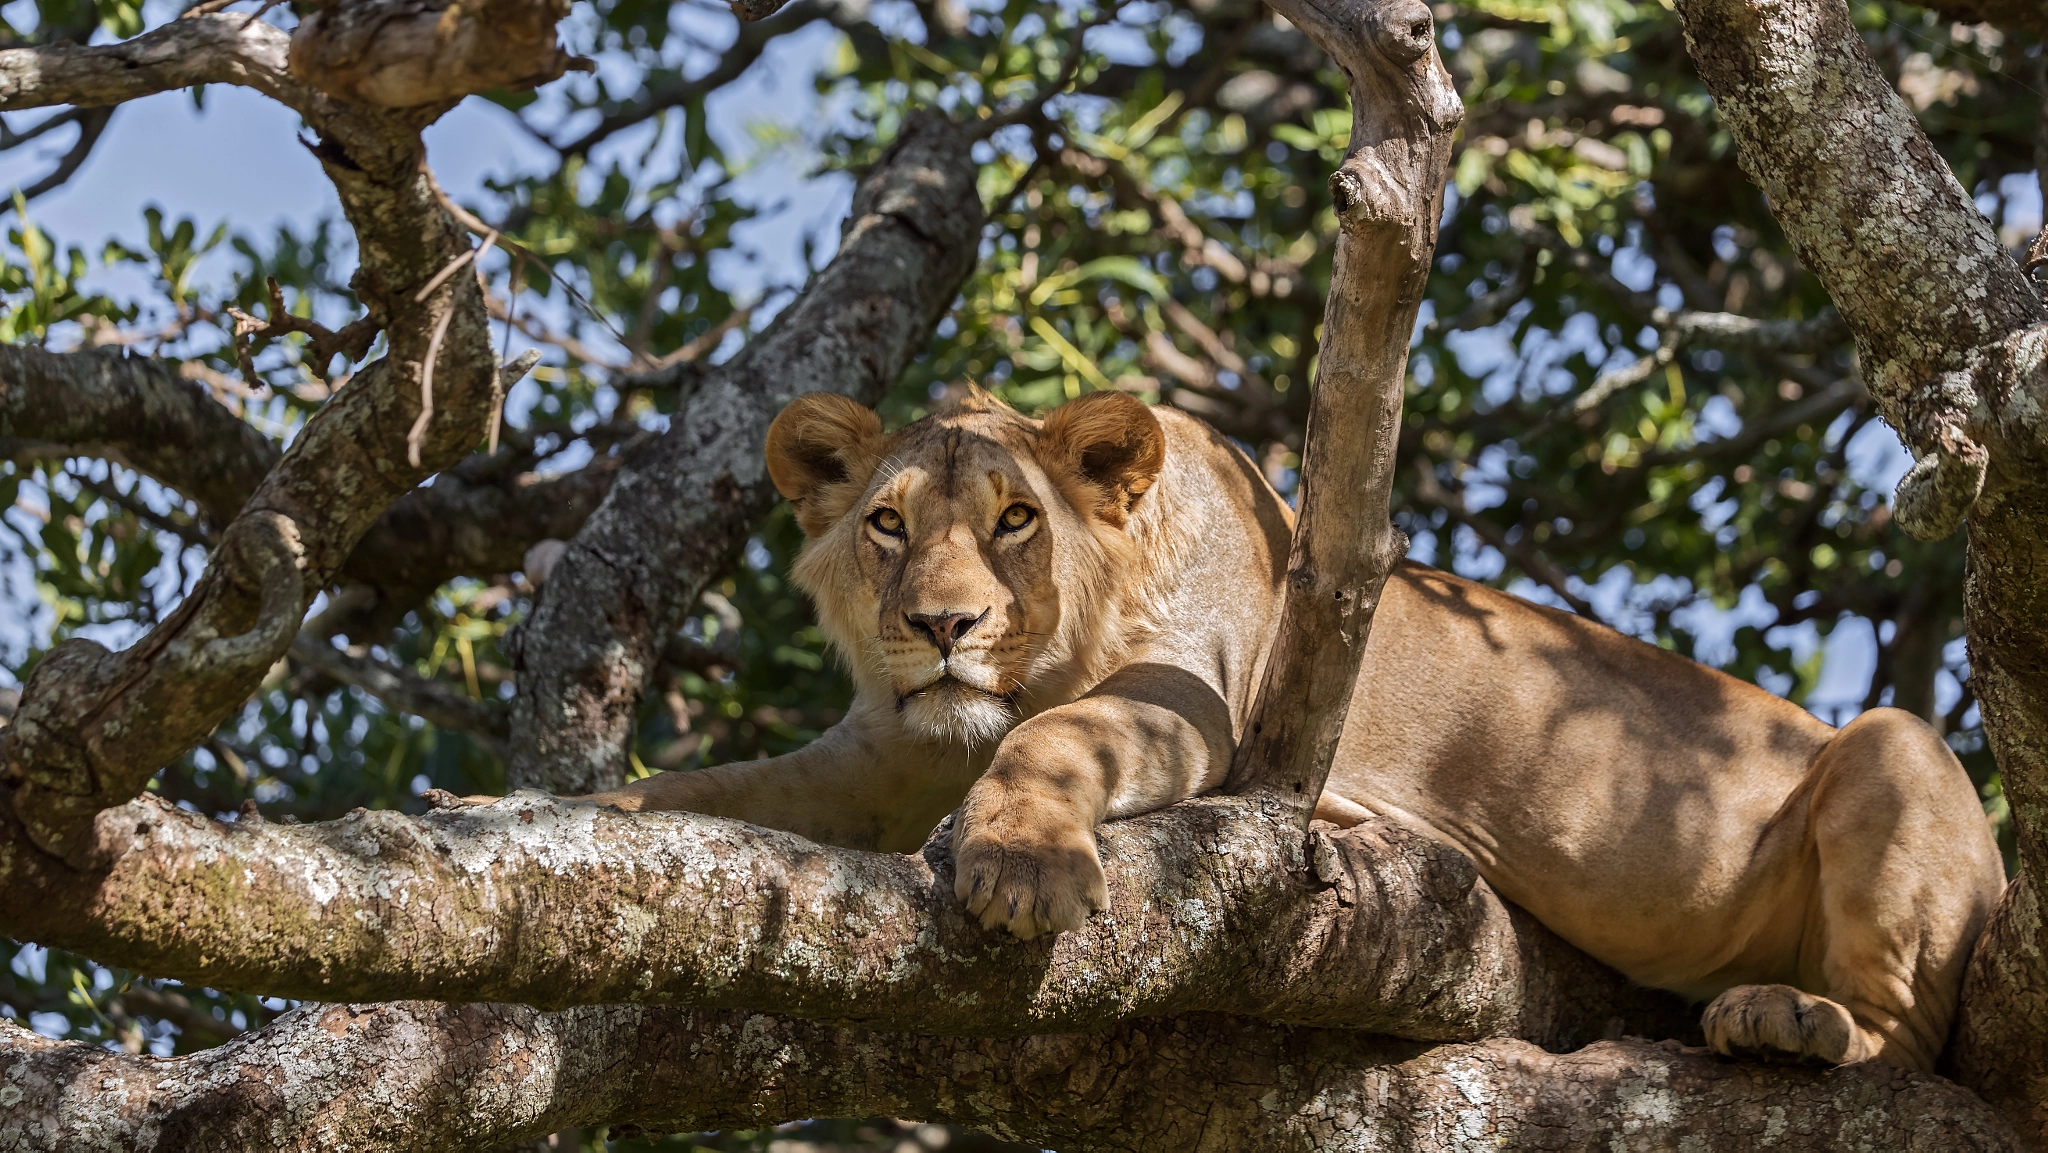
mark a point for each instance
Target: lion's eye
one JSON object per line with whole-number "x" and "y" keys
{"x": 1015, "y": 518}
{"x": 887, "y": 521}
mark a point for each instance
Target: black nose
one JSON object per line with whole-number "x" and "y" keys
{"x": 944, "y": 629}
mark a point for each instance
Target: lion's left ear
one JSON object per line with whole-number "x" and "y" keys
{"x": 1109, "y": 442}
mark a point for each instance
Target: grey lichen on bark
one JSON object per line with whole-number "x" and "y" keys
{"x": 555, "y": 903}
{"x": 476, "y": 1076}
{"x": 678, "y": 512}
{"x": 1875, "y": 212}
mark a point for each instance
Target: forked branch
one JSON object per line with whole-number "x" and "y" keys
{"x": 1389, "y": 197}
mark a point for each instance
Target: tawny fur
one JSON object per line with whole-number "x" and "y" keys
{"x": 1822, "y": 888}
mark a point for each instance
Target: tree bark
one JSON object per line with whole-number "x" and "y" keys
{"x": 1115, "y": 1037}
{"x": 552, "y": 903}
{"x": 1952, "y": 343}
{"x": 680, "y": 509}
{"x": 408, "y": 53}
{"x": 477, "y": 1076}
{"x": 1389, "y": 195}
{"x": 94, "y": 725}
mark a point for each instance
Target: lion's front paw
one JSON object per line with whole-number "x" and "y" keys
{"x": 1029, "y": 877}
{"x": 1781, "y": 1023}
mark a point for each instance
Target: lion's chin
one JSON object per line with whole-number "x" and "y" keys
{"x": 950, "y": 711}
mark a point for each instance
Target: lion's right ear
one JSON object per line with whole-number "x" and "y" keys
{"x": 821, "y": 451}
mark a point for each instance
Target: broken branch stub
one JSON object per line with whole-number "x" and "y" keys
{"x": 1389, "y": 196}
{"x": 412, "y": 53}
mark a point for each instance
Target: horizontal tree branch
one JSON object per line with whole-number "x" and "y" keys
{"x": 217, "y": 48}
{"x": 139, "y": 412}
{"x": 404, "y": 53}
{"x": 554, "y": 903}
{"x": 478, "y": 1076}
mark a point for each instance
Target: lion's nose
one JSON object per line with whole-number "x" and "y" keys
{"x": 944, "y": 629}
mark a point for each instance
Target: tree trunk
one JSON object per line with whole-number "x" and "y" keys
{"x": 1950, "y": 336}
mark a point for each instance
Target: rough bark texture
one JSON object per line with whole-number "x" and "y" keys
{"x": 473, "y": 1076}
{"x": 681, "y": 508}
{"x": 1873, "y": 210}
{"x": 555, "y": 903}
{"x": 1389, "y": 196}
{"x": 1218, "y": 906}
{"x": 94, "y": 725}
{"x": 406, "y": 53}
{"x": 218, "y": 48}
{"x": 1952, "y": 343}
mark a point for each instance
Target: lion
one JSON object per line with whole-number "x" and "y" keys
{"x": 1054, "y": 623}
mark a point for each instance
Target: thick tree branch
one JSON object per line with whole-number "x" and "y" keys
{"x": 1952, "y": 344}
{"x": 469, "y": 522}
{"x": 1916, "y": 271}
{"x": 219, "y": 48}
{"x": 407, "y": 53}
{"x": 94, "y": 725}
{"x": 1389, "y": 199}
{"x": 477, "y": 1076}
{"x": 682, "y": 506}
{"x": 554, "y": 903}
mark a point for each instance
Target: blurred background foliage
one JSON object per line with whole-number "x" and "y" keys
{"x": 1628, "y": 399}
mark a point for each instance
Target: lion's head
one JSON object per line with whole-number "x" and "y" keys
{"x": 973, "y": 565}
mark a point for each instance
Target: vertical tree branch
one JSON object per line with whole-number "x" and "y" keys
{"x": 1389, "y": 198}
{"x": 679, "y": 511}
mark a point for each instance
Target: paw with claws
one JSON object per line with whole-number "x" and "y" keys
{"x": 1781, "y": 1023}
{"x": 1028, "y": 866}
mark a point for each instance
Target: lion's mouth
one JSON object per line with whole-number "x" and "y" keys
{"x": 948, "y": 683}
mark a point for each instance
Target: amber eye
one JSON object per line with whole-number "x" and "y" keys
{"x": 1015, "y": 518}
{"x": 887, "y": 522}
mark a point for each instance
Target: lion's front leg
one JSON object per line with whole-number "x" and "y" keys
{"x": 1024, "y": 853}
{"x": 1024, "y": 847}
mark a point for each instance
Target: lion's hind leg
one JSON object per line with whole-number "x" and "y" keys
{"x": 1907, "y": 873}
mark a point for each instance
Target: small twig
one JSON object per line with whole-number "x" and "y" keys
{"x": 1605, "y": 386}
{"x": 417, "y": 437}
{"x": 1533, "y": 563}
{"x": 454, "y": 266}
{"x": 1072, "y": 65}
{"x": 475, "y": 224}
{"x": 501, "y": 391}
{"x": 91, "y": 123}
{"x": 324, "y": 344}
{"x": 192, "y": 533}
{"x": 266, "y": 6}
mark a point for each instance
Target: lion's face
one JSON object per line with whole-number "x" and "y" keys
{"x": 960, "y": 563}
